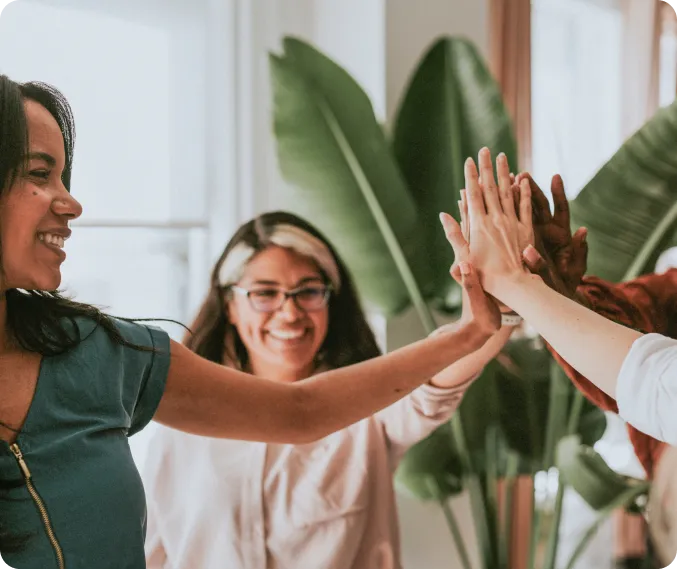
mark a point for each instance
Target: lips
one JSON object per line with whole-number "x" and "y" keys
{"x": 287, "y": 335}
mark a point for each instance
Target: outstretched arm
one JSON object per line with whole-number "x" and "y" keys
{"x": 208, "y": 399}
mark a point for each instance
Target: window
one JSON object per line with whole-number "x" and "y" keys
{"x": 150, "y": 141}
{"x": 576, "y": 88}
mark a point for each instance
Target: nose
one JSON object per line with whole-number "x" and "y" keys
{"x": 289, "y": 310}
{"x": 66, "y": 206}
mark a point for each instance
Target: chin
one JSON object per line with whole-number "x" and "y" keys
{"x": 43, "y": 283}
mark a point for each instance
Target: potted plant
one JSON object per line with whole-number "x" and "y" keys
{"x": 376, "y": 194}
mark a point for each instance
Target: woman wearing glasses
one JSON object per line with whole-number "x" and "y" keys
{"x": 282, "y": 306}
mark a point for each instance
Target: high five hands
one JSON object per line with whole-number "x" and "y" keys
{"x": 496, "y": 223}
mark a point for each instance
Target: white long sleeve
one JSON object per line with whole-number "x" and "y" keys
{"x": 647, "y": 387}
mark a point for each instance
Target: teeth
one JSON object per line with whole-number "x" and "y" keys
{"x": 286, "y": 335}
{"x": 52, "y": 239}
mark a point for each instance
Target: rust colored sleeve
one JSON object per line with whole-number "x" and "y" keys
{"x": 647, "y": 304}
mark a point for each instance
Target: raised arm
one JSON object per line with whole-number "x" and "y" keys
{"x": 208, "y": 399}
{"x": 596, "y": 347}
{"x": 647, "y": 304}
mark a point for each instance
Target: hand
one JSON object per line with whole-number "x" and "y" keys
{"x": 479, "y": 309}
{"x": 507, "y": 184}
{"x": 563, "y": 258}
{"x": 494, "y": 228}
{"x": 465, "y": 226}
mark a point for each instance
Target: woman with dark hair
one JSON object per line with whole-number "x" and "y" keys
{"x": 76, "y": 382}
{"x": 282, "y": 305}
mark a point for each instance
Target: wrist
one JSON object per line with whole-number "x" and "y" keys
{"x": 476, "y": 335}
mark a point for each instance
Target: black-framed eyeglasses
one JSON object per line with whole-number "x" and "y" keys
{"x": 271, "y": 299}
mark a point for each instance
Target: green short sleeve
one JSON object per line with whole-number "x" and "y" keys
{"x": 145, "y": 371}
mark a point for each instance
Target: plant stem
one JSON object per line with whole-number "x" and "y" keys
{"x": 456, "y": 533}
{"x": 505, "y": 534}
{"x": 491, "y": 483}
{"x": 560, "y": 388}
{"x": 553, "y": 537}
{"x": 472, "y": 483}
{"x": 623, "y": 500}
{"x": 436, "y": 491}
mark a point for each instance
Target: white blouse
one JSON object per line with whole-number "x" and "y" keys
{"x": 646, "y": 392}
{"x": 216, "y": 503}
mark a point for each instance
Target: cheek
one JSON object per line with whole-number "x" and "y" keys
{"x": 321, "y": 325}
{"x": 248, "y": 322}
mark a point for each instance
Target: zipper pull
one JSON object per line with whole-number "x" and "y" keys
{"x": 20, "y": 458}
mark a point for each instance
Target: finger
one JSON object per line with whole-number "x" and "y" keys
{"x": 504, "y": 184}
{"x": 525, "y": 206}
{"x": 455, "y": 272}
{"x": 471, "y": 283}
{"x": 488, "y": 183}
{"x": 465, "y": 228}
{"x": 454, "y": 235}
{"x": 561, "y": 214}
{"x": 476, "y": 207}
{"x": 512, "y": 178}
{"x": 541, "y": 205}
{"x": 516, "y": 197}
{"x": 534, "y": 261}
{"x": 578, "y": 264}
{"x": 483, "y": 309}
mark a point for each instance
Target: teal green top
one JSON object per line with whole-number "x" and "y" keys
{"x": 87, "y": 402}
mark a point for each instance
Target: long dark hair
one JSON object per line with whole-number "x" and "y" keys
{"x": 43, "y": 322}
{"x": 349, "y": 338}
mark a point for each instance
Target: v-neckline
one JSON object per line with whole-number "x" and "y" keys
{"x": 19, "y": 439}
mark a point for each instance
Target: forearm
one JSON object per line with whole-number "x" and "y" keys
{"x": 595, "y": 346}
{"x": 208, "y": 399}
{"x": 460, "y": 371}
{"x": 341, "y": 397}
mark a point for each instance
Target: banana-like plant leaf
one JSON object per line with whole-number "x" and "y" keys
{"x": 630, "y": 205}
{"x": 342, "y": 176}
{"x": 512, "y": 396}
{"x": 451, "y": 108}
{"x": 433, "y": 460}
{"x": 585, "y": 470}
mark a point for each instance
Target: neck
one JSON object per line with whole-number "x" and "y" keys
{"x": 280, "y": 374}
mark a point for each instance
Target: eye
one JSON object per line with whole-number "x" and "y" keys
{"x": 264, "y": 293}
{"x": 40, "y": 173}
{"x": 310, "y": 293}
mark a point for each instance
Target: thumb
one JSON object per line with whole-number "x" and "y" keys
{"x": 533, "y": 259}
{"x": 579, "y": 252}
{"x": 471, "y": 283}
{"x": 454, "y": 234}
{"x": 455, "y": 272}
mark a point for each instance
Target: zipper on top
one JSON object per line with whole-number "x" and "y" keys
{"x": 39, "y": 504}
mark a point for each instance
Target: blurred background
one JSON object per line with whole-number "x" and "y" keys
{"x": 173, "y": 103}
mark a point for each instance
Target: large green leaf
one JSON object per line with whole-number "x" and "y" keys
{"x": 512, "y": 396}
{"x": 587, "y": 472}
{"x": 342, "y": 175}
{"x": 451, "y": 108}
{"x": 630, "y": 205}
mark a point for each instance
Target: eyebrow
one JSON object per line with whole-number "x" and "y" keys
{"x": 48, "y": 158}
{"x": 303, "y": 281}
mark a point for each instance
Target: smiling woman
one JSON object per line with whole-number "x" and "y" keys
{"x": 283, "y": 306}
{"x": 77, "y": 383}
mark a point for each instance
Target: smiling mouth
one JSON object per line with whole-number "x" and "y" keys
{"x": 54, "y": 243}
{"x": 288, "y": 336}
{"x": 51, "y": 239}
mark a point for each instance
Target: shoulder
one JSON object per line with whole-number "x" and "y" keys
{"x": 119, "y": 334}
